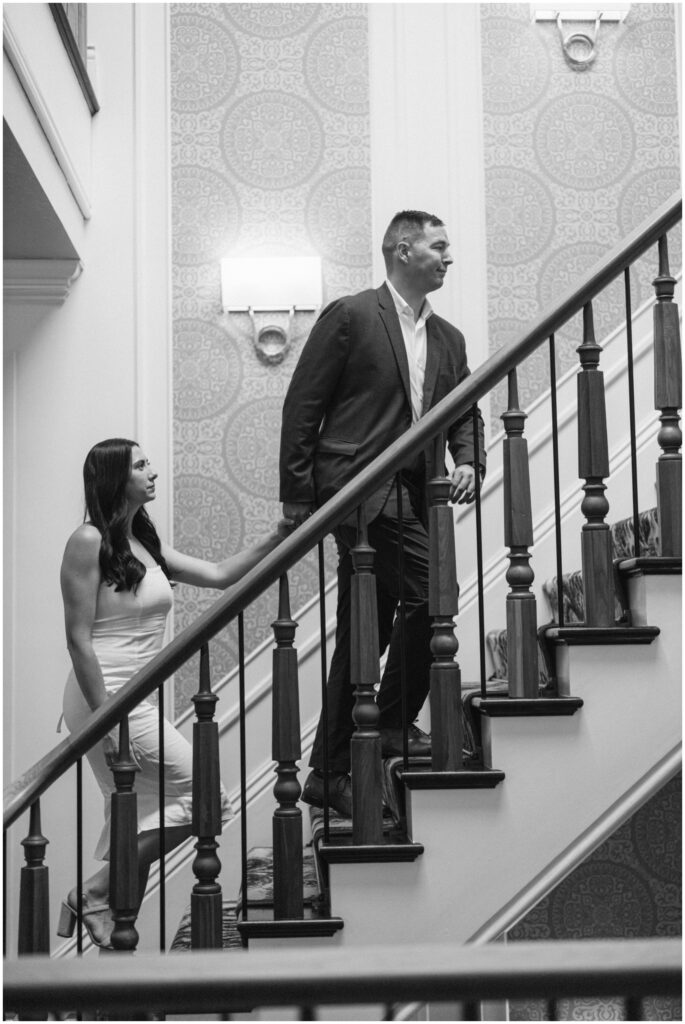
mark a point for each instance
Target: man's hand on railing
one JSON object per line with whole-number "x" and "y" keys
{"x": 297, "y": 511}
{"x": 284, "y": 527}
{"x": 463, "y": 481}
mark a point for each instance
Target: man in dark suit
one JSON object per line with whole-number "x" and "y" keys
{"x": 372, "y": 365}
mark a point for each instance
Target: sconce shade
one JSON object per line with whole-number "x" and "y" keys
{"x": 270, "y": 282}
{"x": 580, "y": 12}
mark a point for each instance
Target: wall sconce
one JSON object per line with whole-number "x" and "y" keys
{"x": 271, "y": 289}
{"x": 580, "y": 48}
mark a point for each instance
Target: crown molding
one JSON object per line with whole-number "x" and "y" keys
{"x": 43, "y": 282}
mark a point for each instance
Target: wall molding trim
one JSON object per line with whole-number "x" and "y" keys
{"x": 41, "y": 282}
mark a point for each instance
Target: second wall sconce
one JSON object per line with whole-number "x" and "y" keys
{"x": 580, "y": 47}
{"x": 272, "y": 290}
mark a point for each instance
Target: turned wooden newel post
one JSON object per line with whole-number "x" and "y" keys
{"x": 522, "y": 643}
{"x": 286, "y": 751}
{"x": 34, "y": 894}
{"x": 668, "y": 399}
{"x": 593, "y": 465}
{"x": 443, "y": 605}
{"x": 365, "y": 746}
{"x": 205, "y": 900}
{"x": 124, "y": 898}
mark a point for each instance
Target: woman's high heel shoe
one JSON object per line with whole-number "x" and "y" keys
{"x": 97, "y": 920}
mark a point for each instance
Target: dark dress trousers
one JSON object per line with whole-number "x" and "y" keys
{"x": 349, "y": 398}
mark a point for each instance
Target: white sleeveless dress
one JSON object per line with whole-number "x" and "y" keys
{"x": 127, "y": 632}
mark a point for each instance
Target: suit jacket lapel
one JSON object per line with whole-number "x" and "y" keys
{"x": 433, "y": 349}
{"x": 388, "y": 315}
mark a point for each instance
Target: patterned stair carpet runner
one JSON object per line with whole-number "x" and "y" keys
{"x": 622, "y": 535}
{"x": 260, "y": 897}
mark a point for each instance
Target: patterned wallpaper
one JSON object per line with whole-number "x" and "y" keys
{"x": 631, "y": 887}
{"x": 574, "y": 160}
{"x": 270, "y": 155}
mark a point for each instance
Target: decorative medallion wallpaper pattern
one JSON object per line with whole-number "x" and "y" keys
{"x": 270, "y": 154}
{"x": 630, "y": 887}
{"x": 574, "y": 160}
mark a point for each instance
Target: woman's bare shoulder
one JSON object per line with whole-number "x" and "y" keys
{"x": 84, "y": 544}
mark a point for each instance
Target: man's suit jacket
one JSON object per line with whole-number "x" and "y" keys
{"x": 349, "y": 397}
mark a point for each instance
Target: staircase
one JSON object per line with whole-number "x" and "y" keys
{"x": 577, "y": 727}
{"x": 556, "y": 768}
{"x": 491, "y": 854}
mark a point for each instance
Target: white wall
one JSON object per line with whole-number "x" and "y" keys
{"x": 95, "y": 366}
{"x": 427, "y": 145}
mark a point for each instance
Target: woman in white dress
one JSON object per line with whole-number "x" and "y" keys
{"x": 116, "y": 584}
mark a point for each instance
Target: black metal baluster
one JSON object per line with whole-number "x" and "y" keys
{"x": 479, "y": 559}
{"x": 631, "y": 414}
{"x": 634, "y": 1008}
{"x": 79, "y": 856}
{"x": 243, "y": 771}
{"x": 324, "y": 690}
{"x": 389, "y": 1012}
{"x": 552, "y": 1009}
{"x": 4, "y": 893}
{"x": 557, "y": 489}
{"x": 162, "y": 823}
{"x": 403, "y": 622}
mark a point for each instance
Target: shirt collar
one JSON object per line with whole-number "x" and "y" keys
{"x": 403, "y": 307}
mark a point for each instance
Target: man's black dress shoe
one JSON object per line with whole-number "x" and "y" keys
{"x": 418, "y": 742}
{"x": 339, "y": 792}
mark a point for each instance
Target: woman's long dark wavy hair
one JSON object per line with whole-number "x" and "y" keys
{"x": 106, "y": 472}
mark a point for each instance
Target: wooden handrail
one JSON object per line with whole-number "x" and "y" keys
{"x": 346, "y": 975}
{"x": 23, "y": 791}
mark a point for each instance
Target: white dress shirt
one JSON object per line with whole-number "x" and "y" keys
{"x": 414, "y": 334}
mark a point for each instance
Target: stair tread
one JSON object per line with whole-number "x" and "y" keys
{"x": 652, "y": 565}
{"x": 618, "y": 634}
{"x": 515, "y": 707}
{"x": 472, "y": 777}
{"x": 230, "y": 935}
{"x": 306, "y": 927}
{"x": 260, "y": 902}
{"x": 345, "y": 850}
{"x": 260, "y": 865}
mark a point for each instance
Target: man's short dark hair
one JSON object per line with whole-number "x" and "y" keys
{"x": 406, "y": 224}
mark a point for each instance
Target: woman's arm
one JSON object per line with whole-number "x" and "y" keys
{"x": 186, "y": 569}
{"x": 80, "y": 580}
